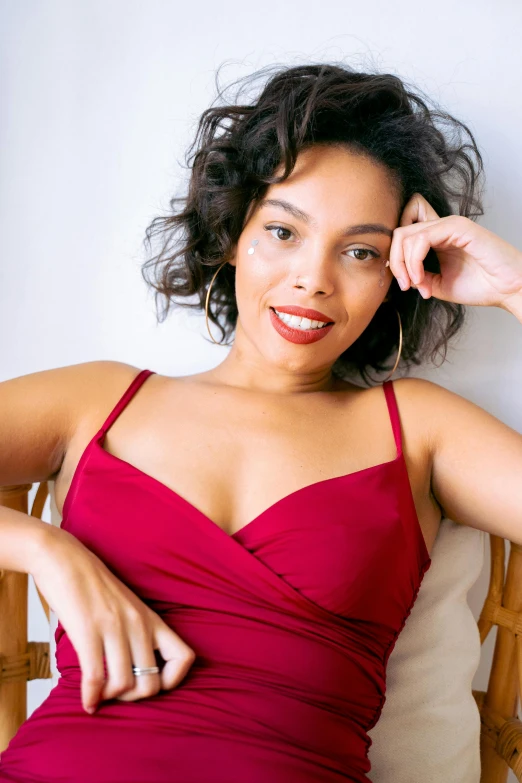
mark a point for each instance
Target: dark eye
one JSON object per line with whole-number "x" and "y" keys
{"x": 372, "y": 253}
{"x": 278, "y": 228}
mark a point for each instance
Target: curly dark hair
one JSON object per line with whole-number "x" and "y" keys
{"x": 238, "y": 147}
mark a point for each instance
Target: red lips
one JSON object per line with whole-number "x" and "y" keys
{"x": 299, "y": 336}
{"x": 304, "y": 312}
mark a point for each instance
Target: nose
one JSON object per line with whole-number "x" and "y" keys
{"x": 315, "y": 277}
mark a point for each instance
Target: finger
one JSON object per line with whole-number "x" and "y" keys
{"x": 407, "y": 254}
{"x": 416, "y": 248}
{"x": 141, "y": 646}
{"x": 428, "y": 285}
{"x": 178, "y": 656}
{"x": 411, "y": 244}
{"x": 118, "y": 661}
{"x": 418, "y": 209}
{"x": 433, "y": 285}
{"x": 397, "y": 261}
{"x": 90, "y": 658}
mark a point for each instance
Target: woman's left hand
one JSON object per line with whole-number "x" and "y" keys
{"x": 477, "y": 267}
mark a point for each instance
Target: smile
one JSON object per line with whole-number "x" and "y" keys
{"x": 297, "y": 329}
{"x": 297, "y": 322}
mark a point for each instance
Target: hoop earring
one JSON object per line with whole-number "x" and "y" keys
{"x": 207, "y": 301}
{"x": 400, "y": 347}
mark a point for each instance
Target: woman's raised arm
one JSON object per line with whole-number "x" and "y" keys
{"x": 476, "y": 458}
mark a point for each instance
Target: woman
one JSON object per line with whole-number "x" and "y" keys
{"x": 240, "y": 548}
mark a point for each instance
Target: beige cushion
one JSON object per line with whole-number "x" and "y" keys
{"x": 429, "y": 729}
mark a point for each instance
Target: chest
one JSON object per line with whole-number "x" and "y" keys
{"x": 233, "y": 455}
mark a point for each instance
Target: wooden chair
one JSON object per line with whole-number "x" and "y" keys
{"x": 501, "y": 730}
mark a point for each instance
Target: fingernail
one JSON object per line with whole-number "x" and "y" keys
{"x": 90, "y": 710}
{"x": 402, "y": 282}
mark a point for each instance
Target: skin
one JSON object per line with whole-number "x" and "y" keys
{"x": 280, "y": 396}
{"x": 270, "y": 418}
{"x": 337, "y": 189}
{"x": 274, "y": 407}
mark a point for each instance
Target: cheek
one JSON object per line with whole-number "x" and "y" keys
{"x": 362, "y": 298}
{"x": 257, "y": 273}
{"x": 255, "y": 280}
{"x": 362, "y": 289}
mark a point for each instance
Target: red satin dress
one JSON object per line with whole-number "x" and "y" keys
{"x": 292, "y": 618}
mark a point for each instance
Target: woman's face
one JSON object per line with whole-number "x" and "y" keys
{"x": 315, "y": 253}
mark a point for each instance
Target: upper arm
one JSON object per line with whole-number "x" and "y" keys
{"x": 476, "y": 473}
{"x": 39, "y": 413}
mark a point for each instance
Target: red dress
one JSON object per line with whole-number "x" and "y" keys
{"x": 292, "y": 619}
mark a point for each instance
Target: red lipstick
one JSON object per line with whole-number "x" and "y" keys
{"x": 304, "y": 312}
{"x": 300, "y": 336}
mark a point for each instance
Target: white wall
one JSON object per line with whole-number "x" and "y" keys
{"x": 99, "y": 103}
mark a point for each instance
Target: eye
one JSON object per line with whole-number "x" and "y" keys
{"x": 372, "y": 253}
{"x": 277, "y": 228}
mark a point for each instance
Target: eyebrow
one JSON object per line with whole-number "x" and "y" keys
{"x": 361, "y": 228}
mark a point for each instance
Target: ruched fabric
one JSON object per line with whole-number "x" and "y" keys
{"x": 292, "y": 619}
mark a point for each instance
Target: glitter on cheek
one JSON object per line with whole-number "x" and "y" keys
{"x": 251, "y": 249}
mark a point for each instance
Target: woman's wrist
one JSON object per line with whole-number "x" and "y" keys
{"x": 513, "y": 305}
{"x": 21, "y": 540}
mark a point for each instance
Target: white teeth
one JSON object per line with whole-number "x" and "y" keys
{"x": 297, "y": 322}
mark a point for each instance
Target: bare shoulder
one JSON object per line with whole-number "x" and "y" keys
{"x": 475, "y": 457}
{"x": 417, "y": 399}
{"x": 427, "y": 411}
{"x": 100, "y": 384}
{"x": 417, "y": 390}
{"x": 41, "y": 411}
{"x": 95, "y": 389}
{"x": 89, "y": 386}
{"x": 440, "y": 412}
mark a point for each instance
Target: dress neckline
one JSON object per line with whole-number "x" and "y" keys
{"x": 243, "y": 531}
{"x": 304, "y": 489}
{"x": 159, "y": 486}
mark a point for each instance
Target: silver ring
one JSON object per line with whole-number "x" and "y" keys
{"x": 136, "y": 670}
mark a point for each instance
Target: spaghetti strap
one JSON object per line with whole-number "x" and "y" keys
{"x": 394, "y": 414}
{"x": 127, "y": 395}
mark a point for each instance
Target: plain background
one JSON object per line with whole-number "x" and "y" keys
{"x": 99, "y": 102}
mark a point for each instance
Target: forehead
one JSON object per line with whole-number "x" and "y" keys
{"x": 338, "y": 166}
{"x": 331, "y": 183}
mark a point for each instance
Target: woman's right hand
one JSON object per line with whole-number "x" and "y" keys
{"x": 102, "y": 616}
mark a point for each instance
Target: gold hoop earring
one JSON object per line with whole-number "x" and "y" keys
{"x": 400, "y": 347}
{"x": 207, "y": 301}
